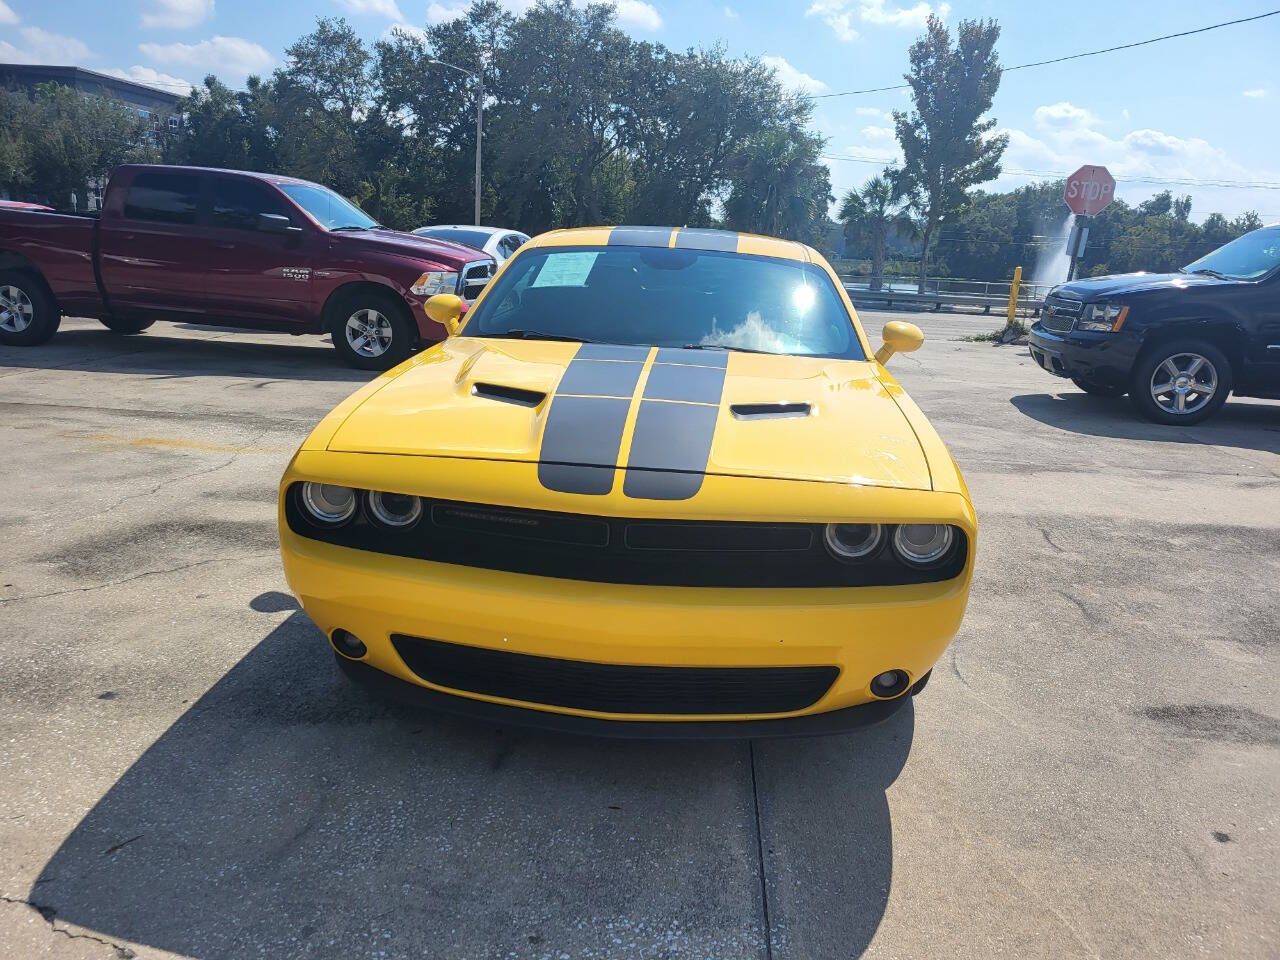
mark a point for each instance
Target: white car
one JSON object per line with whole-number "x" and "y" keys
{"x": 495, "y": 241}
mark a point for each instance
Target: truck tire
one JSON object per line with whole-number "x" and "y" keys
{"x": 371, "y": 330}
{"x": 1180, "y": 382}
{"x": 28, "y": 314}
{"x": 124, "y": 326}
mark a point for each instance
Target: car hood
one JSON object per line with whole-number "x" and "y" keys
{"x": 409, "y": 245}
{"x": 493, "y": 399}
{"x": 1120, "y": 284}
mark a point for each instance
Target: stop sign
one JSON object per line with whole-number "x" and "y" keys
{"x": 1089, "y": 190}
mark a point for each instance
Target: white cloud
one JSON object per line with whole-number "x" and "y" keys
{"x": 791, "y": 78}
{"x": 875, "y": 11}
{"x": 232, "y": 55}
{"x": 7, "y": 16}
{"x": 1257, "y": 93}
{"x": 879, "y": 134}
{"x": 638, "y": 14}
{"x": 731, "y": 13}
{"x": 381, "y": 8}
{"x": 41, "y": 46}
{"x": 438, "y": 13}
{"x": 178, "y": 14}
{"x": 834, "y": 14}
{"x": 1063, "y": 114}
{"x": 870, "y": 112}
{"x": 152, "y": 78}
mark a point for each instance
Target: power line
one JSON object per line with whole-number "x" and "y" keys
{"x": 1073, "y": 56}
{"x": 1170, "y": 181}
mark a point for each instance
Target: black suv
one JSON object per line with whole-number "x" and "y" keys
{"x": 1176, "y": 343}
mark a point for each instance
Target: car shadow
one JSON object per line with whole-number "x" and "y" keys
{"x": 290, "y": 814}
{"x": 1243, "y": 424}
{"x": 156, "y": 355}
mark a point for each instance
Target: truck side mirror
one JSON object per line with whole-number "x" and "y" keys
{"x": 446, "y": 309}
{"x": 277, "y": 223}
{"x": 899, "y": 337}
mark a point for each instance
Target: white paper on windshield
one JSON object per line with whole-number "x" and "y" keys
{"x": 566, "y": 269}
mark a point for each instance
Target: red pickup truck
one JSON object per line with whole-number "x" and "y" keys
{"x": 229, "y": 248}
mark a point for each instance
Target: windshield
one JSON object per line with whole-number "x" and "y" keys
{"x": 330, "y": 209}
{"x": 1245, "y": 258}
{"x": 668, "y": 298}
{"x": 468, "y": 238}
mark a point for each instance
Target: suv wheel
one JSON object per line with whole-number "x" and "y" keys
{"x": 28, "y": 315}
{"x": 1181, "y": 382}
{"x": 1098, "y": 389}
{"x": 371, "y": 331}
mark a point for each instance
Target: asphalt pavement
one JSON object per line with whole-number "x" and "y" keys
{"x": 1092, "y": 772}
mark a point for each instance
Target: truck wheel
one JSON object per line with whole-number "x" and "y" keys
{"x": 1181, "y": 382}
{"x": 28, "y": 314}
{"x": 371, "y": 331}
{"x": 1098, "y": 389}
{"x": 122, "y": 326}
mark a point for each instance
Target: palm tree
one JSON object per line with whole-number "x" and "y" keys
{"x": 872, "y": 213}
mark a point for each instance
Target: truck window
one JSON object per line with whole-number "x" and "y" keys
{"x": 163, "y": 197}
{"x": 237, "y": 203}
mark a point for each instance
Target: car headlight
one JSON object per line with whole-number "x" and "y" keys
{"x": 1102, "y": 317}
{"x": 435, "y": 281}
{"x": 922, "y": 544}
{"x": 328, "y": 503}
{"x": 394, "y": 509}
{"x": 853, "y": 541}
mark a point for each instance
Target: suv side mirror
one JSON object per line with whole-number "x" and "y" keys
{"x": 446, "y": 309}
{"x": 899, "y": 337}
{"x": 277, "y": 223}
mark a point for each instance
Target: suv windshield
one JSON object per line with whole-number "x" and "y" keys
{"x": 1245, "y": 258}
{"x": 668, "y": 298}
{"x": 330, "y": 209}
{"x": 468, "y": 238}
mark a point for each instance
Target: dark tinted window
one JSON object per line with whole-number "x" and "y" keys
{"x": 163, "y": 197}
{"x": 237, "y": 203}
{"x": 510, "y": 244}
{"x": 468, "y": 238}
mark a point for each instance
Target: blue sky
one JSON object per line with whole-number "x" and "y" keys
{"x": 1201, "y": 107}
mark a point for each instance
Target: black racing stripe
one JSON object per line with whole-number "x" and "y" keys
{"x": 669, "y": 381}
{"x": 641, "y": 237}
{"x": 697, "y": 358}
{"x": 611, "y": 351}
{"x": 700, "y": 238}
{"x": 584, "y": 432}
{"x": 669, "y": 450}
{"x": 600, "y": 378}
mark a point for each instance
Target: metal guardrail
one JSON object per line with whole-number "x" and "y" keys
{"x": 952, "y": 291}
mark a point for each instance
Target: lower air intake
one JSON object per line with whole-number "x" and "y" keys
{"x": 611, "y": 688}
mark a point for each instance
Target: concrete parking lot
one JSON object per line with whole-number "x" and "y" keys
{"x": 1092, "y": 772}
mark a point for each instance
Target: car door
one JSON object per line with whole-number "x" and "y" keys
{"x": 252, "y": 272}
{"x": 1261, "y": 307}
{"x": 150, "y": 244}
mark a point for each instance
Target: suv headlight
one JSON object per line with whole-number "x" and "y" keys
{"x": 435, "y": 281}
{"x": 1102, "y": 317}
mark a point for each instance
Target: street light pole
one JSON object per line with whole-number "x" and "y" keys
{"x": 479, "y": 119}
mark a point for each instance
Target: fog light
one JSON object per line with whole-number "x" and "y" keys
{"x": 348, "y": 644}
{"x": 890, "y": 683}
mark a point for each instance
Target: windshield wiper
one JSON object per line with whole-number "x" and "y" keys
{"x": 1212, "y": 273}
{"x": 349, "y": 227}
{"x": 538, "y": 335}
{"x": 718, "y": 346}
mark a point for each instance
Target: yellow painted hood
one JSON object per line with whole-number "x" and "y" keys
{"x": 491, "y": 400}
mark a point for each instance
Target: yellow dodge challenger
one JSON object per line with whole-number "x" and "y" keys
{"x": 656, "y": 482}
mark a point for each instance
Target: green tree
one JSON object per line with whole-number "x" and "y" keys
{"x": 871, "y": 214}
{"x": 224, "y": 128}
{"x": 947, "y": 147}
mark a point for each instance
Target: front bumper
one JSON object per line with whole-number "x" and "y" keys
{"x": 1098, "y": 357}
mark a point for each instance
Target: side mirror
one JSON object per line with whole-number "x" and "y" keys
{"x": 446, "y": 309}
{"x": 277, "y": 223}
{"x": 899, "y": 337}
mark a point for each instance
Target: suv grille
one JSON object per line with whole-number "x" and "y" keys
{"x": 570, "y": 546}
{"x": 1059, "y": 314}
{"x": 474, "y": 278}
{"x": 612, "y": 688}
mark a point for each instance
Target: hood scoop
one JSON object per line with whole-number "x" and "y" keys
{"x": 505, "y": 394}
{"x": 770, "y": 411}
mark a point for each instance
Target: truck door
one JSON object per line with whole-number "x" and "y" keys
{"x": 150, "y": 251}
{"x": 257, "y": 270}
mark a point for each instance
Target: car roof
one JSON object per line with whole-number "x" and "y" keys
{"x": 684, "y": 238}
{"x": 253, "y": 174}
{"x": 491, "y": 231}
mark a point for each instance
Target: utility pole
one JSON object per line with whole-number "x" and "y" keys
{"x": 479, "y": 119}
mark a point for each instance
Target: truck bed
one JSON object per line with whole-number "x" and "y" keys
{"x": 60, "y": 246}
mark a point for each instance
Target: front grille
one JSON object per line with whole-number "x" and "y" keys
{"x": 1059, "y": 314}
{"x": 571, "y": 546}
{"x": 612, "y": 688}
{"x": 474, "y": 278}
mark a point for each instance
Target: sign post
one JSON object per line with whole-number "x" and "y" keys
{"x": 1088, "y": 192}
